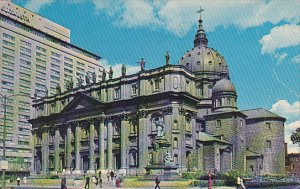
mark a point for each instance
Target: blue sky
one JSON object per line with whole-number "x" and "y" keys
{"x": 260, "y": 41}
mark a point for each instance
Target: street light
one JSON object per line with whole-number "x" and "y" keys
{"x": 4, "y": 99}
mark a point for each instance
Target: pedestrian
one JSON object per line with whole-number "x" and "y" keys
{"x": 18, "y": 181}
{"x": 107, "y": 175}
{"x": 209, "y": 181}
{"x": 238, "y": 182}
{"x": 115, "y": 174}
{"x": 242, "y": 184}
{"x": 118, "y": 183}
{"x": 99, "y": 174}
{"x": 112, "y": 175}
{"x": 63, "y": 183}
{"x": 25, "y": 181}
{"x": 100, "y": 182}
{"x": 87, "y": 182}
{"x": 157, "y": 182}
{"x": 97, "y": 180}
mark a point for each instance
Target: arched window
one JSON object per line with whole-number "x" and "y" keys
{"x": 175, "y": 125}
{"x": 228, "y": 101}
{"x": 175, "y": 142}
{"x": 175, "y": 159}
{"x": 133, "y": 158}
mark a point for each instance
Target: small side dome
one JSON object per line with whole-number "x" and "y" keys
{"x": 223, "y": 85}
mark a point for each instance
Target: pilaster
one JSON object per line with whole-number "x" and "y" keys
{"x": 101, "y": 144}
{"x": 124, "y": 142}
{"x": 68, "y": 149}
{"x": 56, "y": 150}
{"x": 142, "y": 142}
{"x": 91, "y": 147}
{"x": 109, "y": 143}
{"x": 77, "y": 148}
{"x": 45, "y": 151}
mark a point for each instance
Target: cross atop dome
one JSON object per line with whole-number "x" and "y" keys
{"x": 200, "y": 11}
{"x": 200, "y": 37}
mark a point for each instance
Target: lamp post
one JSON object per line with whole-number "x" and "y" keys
{"x": 4, "y": 99}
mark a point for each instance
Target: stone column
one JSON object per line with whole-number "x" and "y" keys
{"x": 124, "y": 143}
{"x": 56, "y": 151}
{"x": 101, "y": 145}
{"x": 77, "y": 149}
{"x": 45, "y": 151}
{"x": 68, "y": 151}
{"x": 168, "y": 122}
{"x": 109, "y": 144}
{"x": 91, "y": 148}
{"x": 182, "y": 140}
{"x": 142, "y": 142}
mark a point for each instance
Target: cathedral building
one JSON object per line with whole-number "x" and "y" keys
{"x": 112, "y": 124}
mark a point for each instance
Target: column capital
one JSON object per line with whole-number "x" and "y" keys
{"x": 142, "y": 113}
{"x": 168, "y": 110}
{"x": 124, "y": 117}
{"x": 181, "y": 110}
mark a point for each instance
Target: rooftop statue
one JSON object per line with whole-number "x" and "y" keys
{"x": 159, "y": 128}
{"x": 142, "y": 64}
{"x": 110, "y": 73}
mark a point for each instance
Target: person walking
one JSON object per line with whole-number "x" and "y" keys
{"x": 108, "y": 175}
{"x": 18, "y": 181}
{"x": 63, "y": 183}
{"x": 100, "y": 174}
{"x": 100, "y": 182}
{"x": 242, "y": 183}
{"x": 238, "y": 182}
{"x": 87, "y": 182}
{"x": 25, "y": 181}
{"x": 209, "y": 180}
{"x": 157, "y": 181}
{"x": 112, "y": 175}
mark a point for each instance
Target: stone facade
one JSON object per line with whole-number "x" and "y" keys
{"x": 112, "y": 124}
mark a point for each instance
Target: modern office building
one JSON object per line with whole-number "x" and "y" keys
{"x": 178, "y": 117}
{"x": 35, "y": 57}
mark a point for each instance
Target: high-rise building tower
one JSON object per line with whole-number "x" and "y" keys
{"x": 35, "y": 58}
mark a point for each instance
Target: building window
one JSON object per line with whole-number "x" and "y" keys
{"x": 268, "y": 125}
{"x": 175, "y": 142}
{"x": 175, "y": 125}
{"x": 117, "y": 93}
{"x": 268, "y": 144}
{"x": 218, "y": 123}
{"x": 134, "y": 90}
{"x": 156, "y": 84}
{"x": 175, "y": 158}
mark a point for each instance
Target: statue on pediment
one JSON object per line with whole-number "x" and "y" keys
{"x": 123, "y": 70}
{"x": 58, "y": 89}
{"x": 111, "y": 72}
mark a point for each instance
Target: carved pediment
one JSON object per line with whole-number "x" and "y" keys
{"x": 81, "y": 101}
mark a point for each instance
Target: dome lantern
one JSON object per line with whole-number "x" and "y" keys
{"x": 200, "y": 37}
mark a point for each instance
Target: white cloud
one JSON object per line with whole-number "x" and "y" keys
{"x": 296, "y": 59}
{"x": 292, "y": 148}
{"x": 180, "y": 16}
{"x": 281, "y": 57}
{"x": 280, "y": 37}
{"x": 292, "y": 113}
{"x": 37, "y": 5}
{"x": 117, "y": 69}
{"x": 287, "y": 110}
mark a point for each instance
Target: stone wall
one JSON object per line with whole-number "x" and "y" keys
{"x": 261, "y": 131}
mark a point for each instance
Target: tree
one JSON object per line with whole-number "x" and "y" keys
{"x": 295, "y": 137}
